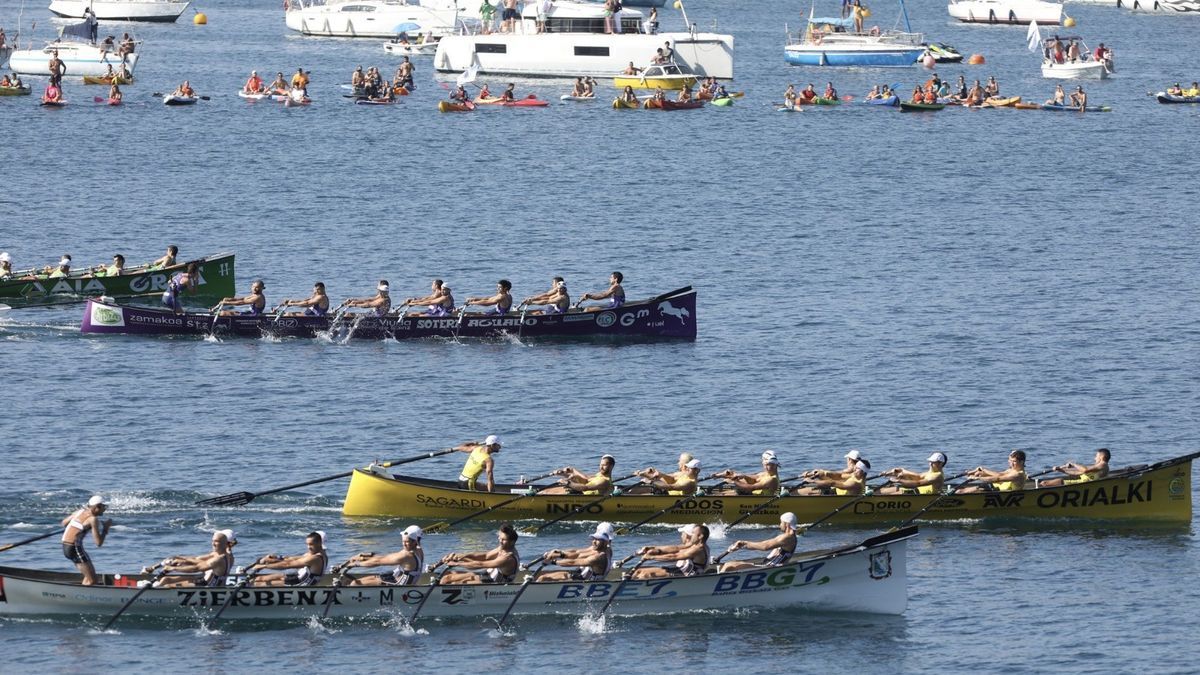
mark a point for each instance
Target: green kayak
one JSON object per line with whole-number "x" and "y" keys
{"x": 908, "y": 106}
{"x": 723, "y": 102}
{"x": 216, "y": 282}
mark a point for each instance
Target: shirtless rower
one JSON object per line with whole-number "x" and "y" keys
{"x": 406, "y": 563}
{"x": 556, "y": 300}
{"x": 182, "y": 282}
{"x": 780, "y": 547}
{"x": 77, "y": 525}
{"x": 575, "y": 482}
{"x": 256, "y": 301}
{"x": 480, "y": 460}
{"x": 1007, "y": 480}
{"x": 316, "y": 305}
{"x": 500, "y": 303}
{"x": 588, "y": 564}
{"x": 167, "y": 260}
{"x": 380, "y": 303}
{"x": 689, "y": 560}
{"x": 645, "y": 488}
{"x": 309, "y": 566}
{"x": 681, "y": 483}
{"x": 254, "y": 85}
{"x": 615, "y": 294}
{"x": 822, "y": 482}
{"x": 765, "y": 482}
{"x": 1078, "y": 473}
{"x": 440, "y": 302}
{"x": 213, "y": 567}
{"x": 904, "y": 482}
{"x": 496, "y": 566}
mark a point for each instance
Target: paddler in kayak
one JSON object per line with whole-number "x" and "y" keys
{"x": 77, "y": 526}
{"x": 184, "y": 90}
{"x": 905, "y": 482}
{"x": 500, "y": 303}
{"x": 575, "y": 482}
{"x": 406, "y": 563}
{"x": 497, "y": 566}
{"x": 628, "y": 95}
{"x": 315, "y": 305}
{"x": 279, "y": 85}
{"x": 1008, "y": 480}
{"x": 1059, "y": 97}
{"x": 114, "y": 93}
{"x": 167, "y": 260}
{"x": 256, "y": 302}
{"x": 780, "y": 547}
{"x": 182, "y": 282}
{"x": 480, "y": 460}
{"x": 509, "y": 94}
{"x": 765, "y": 482}
{"x": 213, "y": 567}
{"x": 687, "y": 561}
{"x": 918, "y": 96}
{"x": 681, "y": 483}
{"x": 309, "y": 566}
{"x": 379, "y": 304}
{"x": 460, "y": 95}
{"x": 484, "y": 93}
{"x": 586, "y": 564}
{"x": 1078, "y": 473}
{"x": 615, "y": 294}
{"x": 835, "y": 482}
{"x": 438, "y": 303}
{"x": 1079, "y": 98}
{"x": 254, "y": 85}
{"x": 556, "y": 300}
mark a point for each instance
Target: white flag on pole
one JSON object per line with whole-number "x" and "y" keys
{"x": 469, "y": 74}
{"x": 1034, "y": 37}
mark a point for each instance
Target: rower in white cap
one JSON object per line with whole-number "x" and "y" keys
{"x": 904, "y": 482}
{"x": 682, "y": 482}
{"x": 309, "y": 566}
{"x": 77, "y": 525}
{"x": 780, "y": 547}
{"x": 213, "y": 567}
{"x": 576, "y": 482}
{"x": 689, "y": 559}
{"x": 587, "y": 564}
{"x": 765, "y": 482}
{"x": 480, "y": 460}
{"x": 381, "y": 302}
{"x": 835, "y": 482}
{"x": 406, "y": 563}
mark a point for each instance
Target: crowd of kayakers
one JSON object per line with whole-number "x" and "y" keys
{"x": 295, "y": 89}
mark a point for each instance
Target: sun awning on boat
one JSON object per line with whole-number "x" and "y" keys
{"x": 832, "y": 21}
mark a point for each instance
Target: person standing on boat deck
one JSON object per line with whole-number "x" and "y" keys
{"x": 860, "y": 14}
{"x": 406, "y": 563}
{"x": 1009, "y": 480}
{"x": 1073, "y": 51}
{"x": 380, "y": 303}
{"x": 497, "y": 566}
{"x": 681, "y": 483}
{"x": 89, "y": 19}
{"x": 780, "y": 547}
{"x": 556, "y": 300}
{"x": 575, "y": 482}
{"x": 316, "y": 305}
{"x": 615, "y": 294}
{"x": 500, "y": 303}
{"x": 256, "y": 301}
{"x": 652, "y": 22}
{"x": 310, "y": 566}
{"x": 591, "y": 563}
{"x": 1079, "y": 473}
{"x": 438, "y": 303}
{"x": 1079, "y": 98}
{"x": 77, "y": 525}
{"x": 510, "y": 17}
{"x": 689, "y": 561}
{"x": 765, "y": 482}
{"x": 610, "y": 8}
{"x": 904, "y": 482}
{"x": 216, "y": 566}
{"x": 668, "y": 52}
{"x": 543, "y": 9}
{"x": 480, "y": 459}
{"x": 182, "y": 282}
{"x": 167, "y": 260}
{"x": 487, "y": 16}
{"x": 826, "y": 482}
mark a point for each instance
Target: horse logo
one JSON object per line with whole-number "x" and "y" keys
{"x": 667, "y": 309}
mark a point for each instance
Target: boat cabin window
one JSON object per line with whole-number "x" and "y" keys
{"x": 488, "y": 48}
{"x": 672, "y": 70}
{"x": 591, "y": 51}
{"x": 358, "y": 8}
{"x": 589, "y": 25}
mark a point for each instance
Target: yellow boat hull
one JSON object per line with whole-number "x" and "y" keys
{"x": 673, "y": 83}
{"x": 1160, "y": 492}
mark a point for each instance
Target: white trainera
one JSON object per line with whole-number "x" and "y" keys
{"x": 866, "y": 577}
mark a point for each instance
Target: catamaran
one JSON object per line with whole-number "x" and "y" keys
{"x": 375, "y": 18}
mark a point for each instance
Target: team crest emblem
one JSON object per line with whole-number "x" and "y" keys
{"x": 606, "y": 319}
{"x": 881, "y": 565}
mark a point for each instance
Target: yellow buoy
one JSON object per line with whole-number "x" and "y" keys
{"x": 200, "y": 19}
{"x": 1069, "y": 22}
{"x": 678, "y": 5}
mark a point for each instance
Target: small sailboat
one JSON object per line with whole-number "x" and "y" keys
{"x": 828, "y": 41}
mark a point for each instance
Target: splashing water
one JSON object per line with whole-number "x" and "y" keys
{"x": 716, "y": 531}
{"x": 204, "y": 631}
{"x": 315, "y": 625}
{"x": 401, "y": 625}
{"x": 592, "y": 625}
{"x": 212, "y": 338}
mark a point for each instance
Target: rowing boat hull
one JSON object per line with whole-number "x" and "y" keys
{"x": 216, "y": 281}
{"x": 1160, "y": 493}
{"x": 669, "y": 317}
{"x": 870, "y": 576}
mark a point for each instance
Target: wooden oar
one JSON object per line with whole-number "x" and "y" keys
{"x": 530, "y": 529}
{"x": 621, "y": 586}
{"x": 434, "y": 580}
{"x": 524, "y": 584}
{"x": 951, "y": 491}
{"x": 250, "y": 574}
{"x": 678, "y": 502}
{"x": 243, "y": 498}
{"x": 28, "y": 541}
{"x": 760, "y": 507}
{"x": 440, "y": 527}
{"x": 128, "y": 603}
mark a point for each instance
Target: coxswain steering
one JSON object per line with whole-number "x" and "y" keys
{"x": 480, "y": 460}
{"x": 497, "y": 566}
{"x": 77, "y": 526}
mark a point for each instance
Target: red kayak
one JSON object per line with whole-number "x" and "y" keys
{"x": 681, "y": 105}
{"x": 107, "y": 101}
{"x": 530, "y": 101}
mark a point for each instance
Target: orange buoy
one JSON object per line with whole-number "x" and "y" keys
{"x": 929, "y": 62}
{"x": 976, "y": 60}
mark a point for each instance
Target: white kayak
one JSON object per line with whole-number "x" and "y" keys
{"x": 569, "y": 97}
{"x": 254, "y": 96}
{"x": 869, "y": 576}
{"x": 172, "y": 99}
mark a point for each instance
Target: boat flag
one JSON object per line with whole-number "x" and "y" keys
{"x": 1033, "y": 37}
{"x": 469, "y": 74}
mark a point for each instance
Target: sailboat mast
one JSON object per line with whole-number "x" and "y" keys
{"x": 904, "y": 13}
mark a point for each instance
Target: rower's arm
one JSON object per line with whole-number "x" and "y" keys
{"x": 100, "y": 530}
{"x": 753, "y": 483}
{"x": 382, "y": 560}
{"x": 495, "y": 299}
{"x": 488, "y": 467}
{"x": 765, "y": 545}
{"x": 680, "y": 553}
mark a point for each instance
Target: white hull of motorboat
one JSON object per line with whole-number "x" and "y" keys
{"x": 1080, "y": 70}
{"x": 1007, "y": 11}
{"x": 370, "y": 19}
{"x": 410, "y": 49}
{"x": 122, "y": 10}
{"x": 80, "y": 58}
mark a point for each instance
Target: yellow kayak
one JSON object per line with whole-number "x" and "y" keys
{"x": 622, "y": 104}
{"x": 104, "y": 79}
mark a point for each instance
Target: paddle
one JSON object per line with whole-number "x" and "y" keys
{"x": 128, "y": 603}
{"x": 524, "y": 584}
{"x": 250, "y": 574}
{"x": 925, "y": 508}
{"x": 336, "y": 583}
{"x": 529, "y": 529}
{"x": 28, "y": 541}
{"x": 434, "y": 580}
{"x": 243, "y": 498}
{"x": 440, "y": 527}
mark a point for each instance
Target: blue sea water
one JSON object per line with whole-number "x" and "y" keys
{"x": 966, "y": 281}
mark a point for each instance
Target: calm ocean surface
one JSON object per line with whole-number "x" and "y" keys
{"x": 968, "y": 281}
